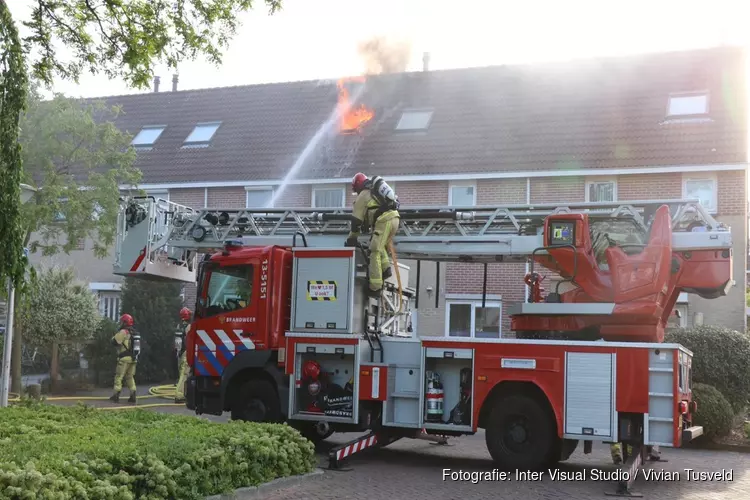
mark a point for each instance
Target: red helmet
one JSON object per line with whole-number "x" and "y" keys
{"x": 311, "y": 370}
{"x": 185, "y": 313}
{"x": 126, "y": 320}
{"x": 358, "y": 182}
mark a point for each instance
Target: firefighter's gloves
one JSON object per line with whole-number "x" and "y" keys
{"x": 351, "y": 242}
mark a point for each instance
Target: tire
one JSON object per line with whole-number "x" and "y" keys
{"x": 257, "y": 401}
{"x": 309, "y": 432}
{"x": 521, "y": 434}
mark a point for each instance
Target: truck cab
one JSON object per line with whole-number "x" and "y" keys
{"x": 242, "y": 311}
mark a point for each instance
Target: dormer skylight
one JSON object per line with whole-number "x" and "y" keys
{"x": 202, "y": 134}
{"x": 148, "y": 136}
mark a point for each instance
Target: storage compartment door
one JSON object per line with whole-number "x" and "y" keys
{"x": 590, "y": 396}
{"x": 333, "y": 394}
{"x": 322, "y": 293}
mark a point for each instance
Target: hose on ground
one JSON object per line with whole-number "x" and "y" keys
{"x": 158, "y": 391}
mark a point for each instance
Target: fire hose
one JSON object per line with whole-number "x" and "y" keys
{"x": 158, "y": 391}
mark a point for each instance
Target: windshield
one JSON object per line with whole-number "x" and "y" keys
{"x": 227, "y": 289}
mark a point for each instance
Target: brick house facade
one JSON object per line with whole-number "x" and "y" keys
{"x": 619, "y": 129}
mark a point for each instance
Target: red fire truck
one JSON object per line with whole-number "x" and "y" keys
{"x": 284, "y": 328}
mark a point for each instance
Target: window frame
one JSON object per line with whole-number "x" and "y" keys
{"x": 315, "y": 189}
{"x": 715, "y": 191}
{"x": 250, "y": 189}
{"x": 104, "y": 307}
{"x": 679, "y": 95}
{"x": 475, "y": 301}
{"x": 405, "y": 112}
{"x": 188, "y": 143}
{"x": 151, "y": 144}
{"x": 463, "y": 184}
{"x": 603, "y": 180}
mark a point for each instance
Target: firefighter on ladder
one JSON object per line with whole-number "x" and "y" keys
{"x": 180, "y": 338}
{"x": 127, "y": 342}
{"x": 376, "y": 206}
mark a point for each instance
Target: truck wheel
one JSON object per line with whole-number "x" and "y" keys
{"x": 309, "y": 431}
{"x": 257, "y": 402}
{"x": 520, "y": 434}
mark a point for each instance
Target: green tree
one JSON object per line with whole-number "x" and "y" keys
{"x": 77, "y": 160}
{"x": 120, "y": 38}
{"x": 57, "y": 307}
{"x": 155, "y": 307}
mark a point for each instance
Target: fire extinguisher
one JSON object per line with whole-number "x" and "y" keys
{"x": 434, "y": 397}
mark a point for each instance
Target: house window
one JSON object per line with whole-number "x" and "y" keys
{"x": 467, "y": 318}
{"x": 601, "y": 191}
{"x": 202, "y": 134}
{"x": 414, "y": 120}
{"x": 148, "y": 136}
{"x": 462, "y": 195}
{"x": 109, "y": 305}
{"x": 688, "y": 104}
{"x": 259, "y": 197}
{"x": 331, "y": 197}
{"x": 159, "y": 194}
{"x": 702, "y": 189}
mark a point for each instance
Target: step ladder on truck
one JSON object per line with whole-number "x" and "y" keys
{"x": 284, "y": 328}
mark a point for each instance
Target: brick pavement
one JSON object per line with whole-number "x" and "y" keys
{"x": 413, "y": 469}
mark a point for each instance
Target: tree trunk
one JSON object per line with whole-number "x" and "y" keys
{"x": 16, "y": 353}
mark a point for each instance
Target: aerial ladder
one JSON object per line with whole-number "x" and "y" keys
{"x": 620, "y": 266}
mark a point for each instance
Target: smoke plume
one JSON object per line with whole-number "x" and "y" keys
{"x": 381, "y": 55}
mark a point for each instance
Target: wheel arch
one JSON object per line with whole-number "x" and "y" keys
{"x": 517, "y": 387}
{"x": 251, "y": 365}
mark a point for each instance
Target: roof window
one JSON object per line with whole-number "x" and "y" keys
{"x": 148, "y": 136}
{"x": 692, "y": 104}
{"x": 202, "y": 134}
{"x": 414, "y": 120}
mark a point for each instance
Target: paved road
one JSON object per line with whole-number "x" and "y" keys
{"x": 413, "y": 469}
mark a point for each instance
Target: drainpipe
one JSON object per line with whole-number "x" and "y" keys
{"x": 528, "y": 268}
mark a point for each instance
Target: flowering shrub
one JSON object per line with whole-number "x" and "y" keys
{"x": 84, "y": 453}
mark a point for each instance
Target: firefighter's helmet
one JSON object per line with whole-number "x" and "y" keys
{"x": 358, "y": 182}
{"x": 186, "y": 314}
{"x": 311, "y": 370}
{"x": 126, "y": 320}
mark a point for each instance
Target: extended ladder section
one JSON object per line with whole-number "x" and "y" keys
{"x": 161, "y": 238}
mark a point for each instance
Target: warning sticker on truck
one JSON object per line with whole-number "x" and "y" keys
{"x": 321, "y": 290}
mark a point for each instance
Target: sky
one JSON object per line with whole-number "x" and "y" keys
{"x": 318, "y": 39}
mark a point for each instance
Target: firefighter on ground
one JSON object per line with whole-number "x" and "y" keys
{"x": 128, "y": 347}
{"x": 375, "y": 208}
{"x": 180, "y": 341}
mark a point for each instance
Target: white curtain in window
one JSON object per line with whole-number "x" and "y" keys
{"x": 329, "y": 198}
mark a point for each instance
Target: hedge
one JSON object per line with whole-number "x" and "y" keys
{"x": 84, "y": 453}
{"x": 714, "y": 411}
{"x": 720, "y": 359}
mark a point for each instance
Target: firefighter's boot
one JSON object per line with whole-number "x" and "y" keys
{"x": 616, "y": 452}
{"x": 131, "y": 399}
{"x": 115, "y": 398}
